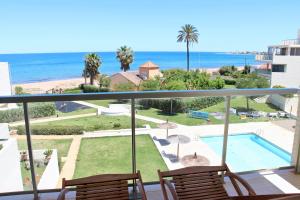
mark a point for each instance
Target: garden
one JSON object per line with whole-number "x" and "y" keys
{"x": 113, "y": 155}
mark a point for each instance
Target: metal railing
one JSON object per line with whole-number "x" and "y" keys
{"x": 264, "y": 57}
{"x": 133, "y": 96}
{"x": 291, "y": 42}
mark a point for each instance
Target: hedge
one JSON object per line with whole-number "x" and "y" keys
{"x": 93, "y": 89}
{"x": 230, "y": 81}
{"x": 180, "y": 106}
{"x": 204, "y": 102}
{"x": 164, "y": 105}
{"x": 36, "y": 110}
{"x": 51, "y": 130}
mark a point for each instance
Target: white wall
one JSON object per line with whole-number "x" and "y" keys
{"x": 10, "y": 169}
{"x": 5, "y": 87}
{"x": 289, "y": 105}
{"x": 290, "y": 78}
{"x": 4, "y": 132}
{"x": 50, "y": 176}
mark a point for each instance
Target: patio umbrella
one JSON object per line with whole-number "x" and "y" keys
{"x": 178, "y": 139}
{"x": 167, "y": 125}
{"x": 194, "y": 160}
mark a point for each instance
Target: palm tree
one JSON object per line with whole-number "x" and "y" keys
{"x": 92, "y": 63}
{"x": 188, "y": 34}
{"x": 125, "y": 56}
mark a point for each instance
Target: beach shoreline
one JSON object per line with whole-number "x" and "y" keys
{"x": 44, "y": 86}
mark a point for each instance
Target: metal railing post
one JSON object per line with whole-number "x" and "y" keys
{"x": 133, "y": 144}
{"x": 29, "y": 146}
{"x": 226, "y": 128}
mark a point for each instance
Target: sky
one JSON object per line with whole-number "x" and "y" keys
{"x": 37, "y": 26}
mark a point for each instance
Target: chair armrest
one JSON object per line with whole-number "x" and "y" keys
{"x": 171, "y": 188}
{"x": 233, "y": 176}
{"x": 62, "y": 194}
{"x": 141, "y": 189}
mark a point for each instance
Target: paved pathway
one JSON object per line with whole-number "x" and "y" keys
{"x": 90, "y": 104}
{"x": 68, "y": 169}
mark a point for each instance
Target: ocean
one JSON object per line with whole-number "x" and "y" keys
{"x": 27, "y": 68}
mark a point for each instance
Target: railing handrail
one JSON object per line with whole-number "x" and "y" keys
{"x": 146, "y": 95}
{"x": 291, "y": 41}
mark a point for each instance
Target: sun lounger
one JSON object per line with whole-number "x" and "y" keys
{"x": 106, "y": 186}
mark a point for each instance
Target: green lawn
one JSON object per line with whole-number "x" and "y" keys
{"x": 180, "y": 118}
{"x": 113, "y": 155}
{"x": 99, "y": 122}
{"x": 62, "y": 146}
{"x": 238, "y": 103}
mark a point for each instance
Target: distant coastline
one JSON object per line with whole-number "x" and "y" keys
{"x": 43, "y": 67}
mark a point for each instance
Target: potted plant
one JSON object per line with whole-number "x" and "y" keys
{"x": 47, "y": 154}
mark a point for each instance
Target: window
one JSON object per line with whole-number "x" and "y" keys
{"x": 281, "y": 51}
{"x": 295, "y": 52}
{"x": 278, "y": 68}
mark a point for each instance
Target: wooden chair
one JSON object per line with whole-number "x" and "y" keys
{"x": 201, "y": 182}
{"x": 103, "y": 187}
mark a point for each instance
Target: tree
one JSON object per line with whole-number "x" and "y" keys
{"x": 188, "y": 34}
{"x": 125, "y": 56}
{"x": 104, "y": 81}
{"x": 92, "y": 63}
{"x": 227, "y": 70}
{"x": 151, "y": 84}
{"x": 247, "y": 69}
{"x": 252, "y": 81}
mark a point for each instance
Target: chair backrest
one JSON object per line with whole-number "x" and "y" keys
{"x": 201, "y": 182}
{"x": 106, "y": 186}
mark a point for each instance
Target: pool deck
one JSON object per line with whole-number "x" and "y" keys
{"x": 278, "y": 135}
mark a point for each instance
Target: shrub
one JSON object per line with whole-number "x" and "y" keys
{"x": 149, "y": 85}
{"x": 217, "y": 83}
{"x": 204, "y": 102}
{"x": 284, "y": 95}
{"x": 230, "y": 81}
{"x": 164, "y": 105}
{"x": 103, "y": 89}
{"x": 36, "y": 110}
{"x": 227, "y": 70}
{"x": 175, "y": 85}
{"x": 51, "y": 130}
{"x": 116, "y": 125}
{"x": 90, "y": 88}
{"x": 19, "y": 90}
{"x": 124, "y": 87}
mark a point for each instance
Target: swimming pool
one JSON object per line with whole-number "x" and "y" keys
{"x": 246, "y": 152}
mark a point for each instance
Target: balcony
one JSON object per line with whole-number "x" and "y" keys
{"x": 123, "y": 132}
{"x": 291, "y": 42}
{"x": 264, "y": 57}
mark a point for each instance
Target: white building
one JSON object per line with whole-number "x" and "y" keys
{"x": 285, "y": 61}
{"x": 285, "y": 65}
{"x": 5, "y": 85}
{"x": 10, "y": 169}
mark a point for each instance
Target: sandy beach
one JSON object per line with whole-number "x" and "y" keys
{"x": 43, "y": 87}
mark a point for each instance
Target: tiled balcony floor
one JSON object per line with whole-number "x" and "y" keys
{"x": 266, "y": 182}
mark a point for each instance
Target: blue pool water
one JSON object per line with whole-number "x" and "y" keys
{"x": 246, "y": 152}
